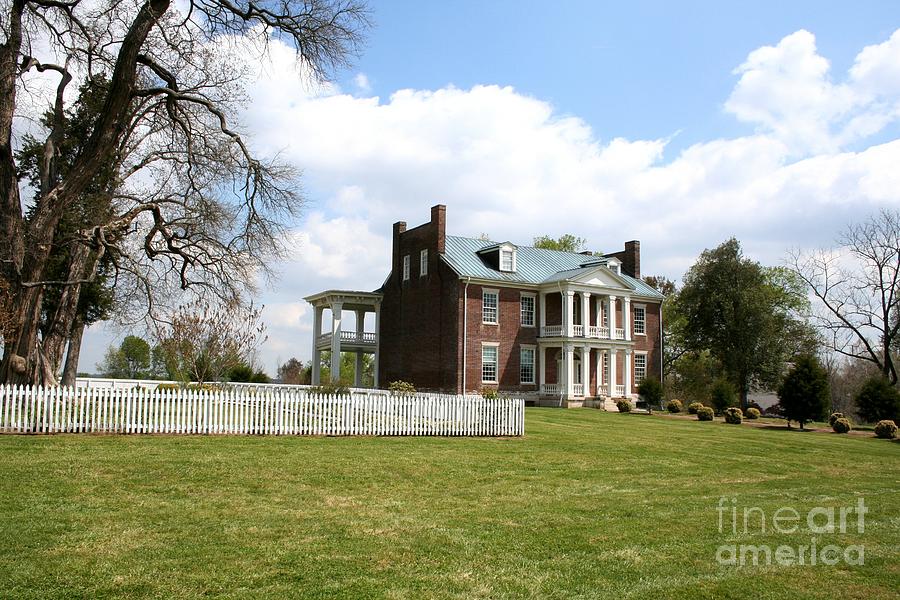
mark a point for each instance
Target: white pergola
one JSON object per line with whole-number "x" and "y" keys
{"x": 360, "y": 341}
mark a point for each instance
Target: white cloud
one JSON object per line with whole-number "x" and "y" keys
{"x": 788, "y": 92}
{"x": 361, "y": 80}
{"x": 512, "y": 166}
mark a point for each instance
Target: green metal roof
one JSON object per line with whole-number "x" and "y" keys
{"x": 534, "y": 265}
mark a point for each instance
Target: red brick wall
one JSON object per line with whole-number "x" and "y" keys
{"x": 509, "y": 333}
{"x": 419, "y": 316}
{"x": 649, "y": 342}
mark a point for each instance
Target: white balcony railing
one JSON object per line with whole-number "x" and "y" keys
{"x": 352, "y": 337}
{"x": 552, "y": 331}
{"x": 620, "y": 390}
{"x": 550, "y": 389}
{"x": 578, "y": 389}
{"x": 591, "y": 331}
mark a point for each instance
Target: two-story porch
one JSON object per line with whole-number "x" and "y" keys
{"x": 337, "y": 340}
{"x": 585, "y": 338}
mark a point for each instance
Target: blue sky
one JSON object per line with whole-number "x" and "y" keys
{"x": 679, "y": 124}
{"x": 634, "y": 69}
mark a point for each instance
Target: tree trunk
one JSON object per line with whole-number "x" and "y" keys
{"x": 81, "y": 267}
{"x": 70, "y": 372}
{"x": 24, "y": 360}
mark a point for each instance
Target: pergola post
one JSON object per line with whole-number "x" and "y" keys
{"x": 336, "y": 341}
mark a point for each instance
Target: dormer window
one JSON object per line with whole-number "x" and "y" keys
{"x": 501, "y": 257}
{"x": 615, "y": 266}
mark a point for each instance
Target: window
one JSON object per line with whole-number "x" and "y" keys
{"x": 640, "y": 368}
{"x": 506, "y": 261}
{"x": 527, "y": 310}
{"x": 406, "y": 268}
{"x": 605, "y": 316}
{"x": 640, "y": 320}
{"x": 489, "y": 363}
{"x": 423, "y": 263}
{"x": 526, "y": 365}
{"x": 489, "y": 299}
{"x": 606, "y": 367}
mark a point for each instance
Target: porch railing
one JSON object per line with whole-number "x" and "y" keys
{"x": 550, "y": 389}
{"x": 578, "y": 389}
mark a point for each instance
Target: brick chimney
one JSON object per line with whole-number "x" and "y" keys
{"x": 631, "y": 259}
{"x": 399, "y": 227}
{"x": 439, "y": 222}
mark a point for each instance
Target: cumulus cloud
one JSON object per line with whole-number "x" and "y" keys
{"x": 510, "y": 165}
{"x": 787, "y": 90}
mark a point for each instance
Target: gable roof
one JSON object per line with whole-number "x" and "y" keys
{"x": 534, "y": 265}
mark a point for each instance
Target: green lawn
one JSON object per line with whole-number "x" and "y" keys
{"x": 588, "y": 504}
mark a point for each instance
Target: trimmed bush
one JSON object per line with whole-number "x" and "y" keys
{"x": 734, "y": 416}
{"x": 886, "y": 429}
{"x": 623, "y": 405}
{"x": 674, "y": 406}
{"x": 489, "y": 393}
{"x": 401, "y": 387}
{"x": 752, "y": 413}
{"x": 705, "y": 413}
{"x": 693, "y": 407}
{"x": 834, "y": 417}
{"x": 841, "y": 425}
{"x": 331, "y": 389}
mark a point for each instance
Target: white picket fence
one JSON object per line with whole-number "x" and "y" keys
{"x": 27, "y": 409}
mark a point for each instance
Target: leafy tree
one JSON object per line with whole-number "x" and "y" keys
{"x": 722, "y": 395}
{"x": 857, "y": 291}
{"x": 294, "y": 372}
{"x": 804, "y": 395}
{"x": 878, "y": 400}
{"x": 650, "y": 391}
{"x": 661, "y": 284}
{"x": 564, "y": 243}
{"x": 348, "y": 368}
{"x": 748, "y": 317}
{"x": 246, "y": 373}
{"x": 131, "y": 360}
{"x": 194, "y": 208}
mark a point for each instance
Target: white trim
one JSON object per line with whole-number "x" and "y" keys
{"x": 423, "y": 262}
{"x": 496, "y": 346}
{"x": 496, "y": 308}
{"x": 533, "y": 349}
{"x": 533, "y": 297}
{"x": 643, "y": 309}
{"x": 636, "y": 353}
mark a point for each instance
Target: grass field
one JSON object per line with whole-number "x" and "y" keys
{"x": 589, "y": 504}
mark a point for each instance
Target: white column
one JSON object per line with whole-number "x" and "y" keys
{"x": 375, "y": 381}
{"x": 611, "y": 309}
{"x": 542, "y": 378}
{"x": 626, "y": 316}
{"x": 627, "y": 374}
{"x": 568, "y": 299}
{"x": 612, "y": 373}
{"x": 316, "y": 355}
{"x": 585, "y": 311}
{"x": 336, "y": 340}
{"x": 600, "y": 372}
{"x": 543, "y": 310}
{"x": 598, "y": 313}
{"x": 360, "y": 328}
{"x": 569, "y": 366}
{"x": 586, "y": 370}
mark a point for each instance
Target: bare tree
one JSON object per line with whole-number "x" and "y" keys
{"x": 202, "y": 342}
{"x": 188, "y": 204}
{"x": 857, "y": 286}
